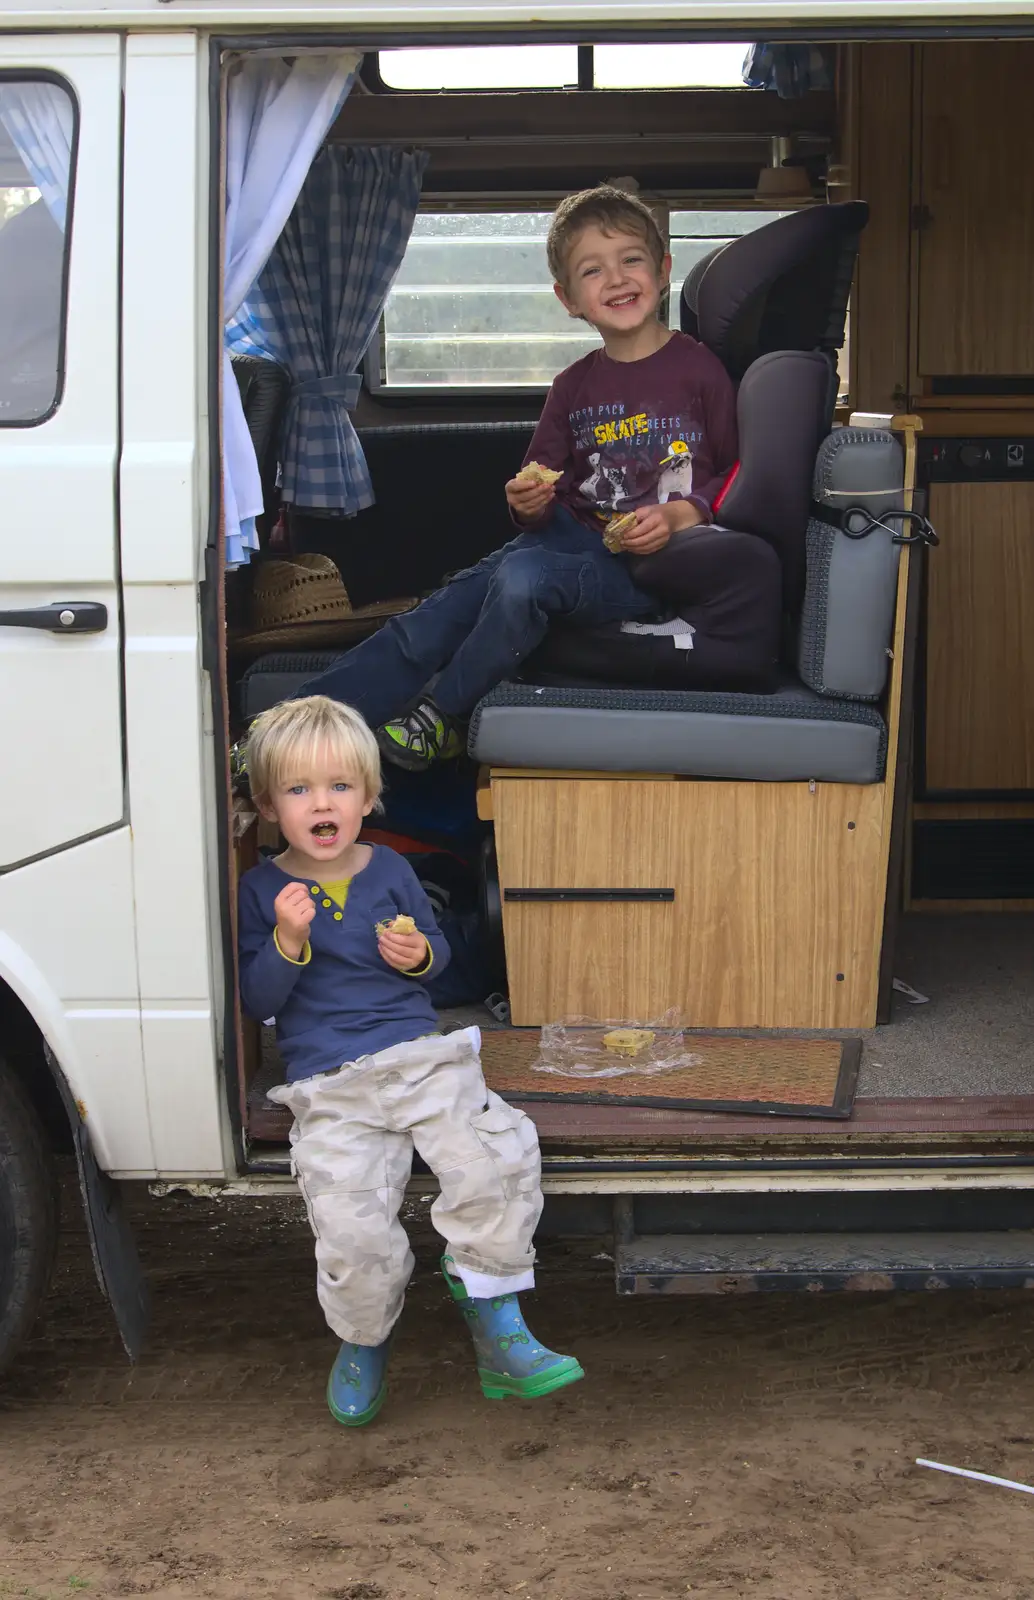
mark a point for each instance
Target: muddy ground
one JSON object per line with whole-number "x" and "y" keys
{"x": 759, "y": 1447}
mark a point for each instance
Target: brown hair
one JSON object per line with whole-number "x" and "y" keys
{"x": 613, "y": 210}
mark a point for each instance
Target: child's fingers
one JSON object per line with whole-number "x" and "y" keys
{"x": 650, "y": 523}
{"x": 292, "y": 899}
{"x": 529, "y": 494}
{"x": 401, "y": 943}
{"x": 403, "y": 950}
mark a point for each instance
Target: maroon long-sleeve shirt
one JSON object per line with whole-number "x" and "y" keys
{"x": 637, "y": 433}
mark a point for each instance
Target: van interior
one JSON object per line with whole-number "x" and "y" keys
{"x": 874, "y": 883}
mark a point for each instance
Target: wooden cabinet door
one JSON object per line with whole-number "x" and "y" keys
{"x": 980, "y": 639}
{"x": 976, "y": 234}
{"x": 777, "y": 915}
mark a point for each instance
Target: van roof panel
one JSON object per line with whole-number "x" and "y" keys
{"x": 386, "y": 19}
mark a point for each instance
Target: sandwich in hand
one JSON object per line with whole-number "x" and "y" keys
{"x": 615, "y": 528}
{"x": 534, "y": 472}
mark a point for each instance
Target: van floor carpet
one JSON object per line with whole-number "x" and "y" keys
{"x": 972, "y": 1038}
{"x": 784, "y": 1076}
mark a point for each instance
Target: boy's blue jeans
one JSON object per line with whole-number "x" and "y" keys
{"x": 478, "y": 629}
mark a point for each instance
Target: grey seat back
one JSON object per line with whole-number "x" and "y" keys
{"x": 772, "y": 306}
{"x": 848, "y": 615}
{"x": 782, "y": 410}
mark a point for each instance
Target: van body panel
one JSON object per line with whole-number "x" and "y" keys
{"x": 81, "y": 988}
{"x": 130, "y": 997}
{"x": 58, "y": 476}
{"x": 164, "y": 515}
{"x": 750, "y": 18}
{"x": 163, "y": 488}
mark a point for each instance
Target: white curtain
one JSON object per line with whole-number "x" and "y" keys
{"x": 278, "y": 114}
{"x": 39, "y": 121}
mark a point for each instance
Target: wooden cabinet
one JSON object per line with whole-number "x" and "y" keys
{"x": 881, "y": 85}
{"x": 979, "y": 697}
{"x": 974, "y": 221}
{"x": 776, "y": 918}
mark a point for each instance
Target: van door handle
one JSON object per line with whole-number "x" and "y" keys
{"x": 75, "y": 616}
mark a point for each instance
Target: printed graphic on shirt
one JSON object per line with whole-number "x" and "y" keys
{"x": 634, "y": 460}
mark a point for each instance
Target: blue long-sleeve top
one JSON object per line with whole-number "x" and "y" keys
{"x": 344, "y": 1001}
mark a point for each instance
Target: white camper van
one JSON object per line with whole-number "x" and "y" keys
{"x": 828, "y": 876}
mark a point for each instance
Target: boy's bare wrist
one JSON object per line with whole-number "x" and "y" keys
{"x": 685, "y": 514}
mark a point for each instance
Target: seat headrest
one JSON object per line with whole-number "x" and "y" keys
{"x": 783, "y": 287}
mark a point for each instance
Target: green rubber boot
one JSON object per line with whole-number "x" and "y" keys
{"x": 510, "y": 1359}
{"x": 357, "y": 1383}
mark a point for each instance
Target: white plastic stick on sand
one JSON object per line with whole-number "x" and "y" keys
{"x": 980, "y": 1477}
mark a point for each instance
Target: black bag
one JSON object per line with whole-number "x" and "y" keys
{"x": 452, "y": 888}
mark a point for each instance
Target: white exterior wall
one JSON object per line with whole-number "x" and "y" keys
{"x": 377, "y": 17}
{"x": 113, "y": 944}
{"x": 130, "y": 1001}
{"x": 164, "y": 521}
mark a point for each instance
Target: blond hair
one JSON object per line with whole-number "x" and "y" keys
{"x": 291, "y": 739}
{"x": 613, "y": 210}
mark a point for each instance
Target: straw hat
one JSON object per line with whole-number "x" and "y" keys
{"x": 301, "y": 602}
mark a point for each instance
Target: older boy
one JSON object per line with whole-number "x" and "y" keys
{"x": 645, "y": 426}
{"x": 334, "y": 937}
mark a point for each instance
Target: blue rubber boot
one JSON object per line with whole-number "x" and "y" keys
{"x": 510, "y": 1359}
{"x": 357, "y": 1383}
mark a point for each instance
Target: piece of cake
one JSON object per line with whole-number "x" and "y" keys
{"x": 535, "y": 472}
{"x": 628, "y": 1041}
{"x": 399, "y": 924}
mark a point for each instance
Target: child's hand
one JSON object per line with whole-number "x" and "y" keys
{"x": 295, "y": 909}
{"x": 529, "y": 500}
{"x": 656, "y": 524}
{"x": 403, "y": 951}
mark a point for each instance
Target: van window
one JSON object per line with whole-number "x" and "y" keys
{"x": 694, "y": 234}
{"x": 523, "y": 66}
{"x": 473, "y": 307}
{"x": 562, "y": 66}
{"x": 669, "y": 66}
{"x": 37, "y": 139}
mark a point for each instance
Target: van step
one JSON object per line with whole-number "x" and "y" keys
{"x": 729, "y": 1263}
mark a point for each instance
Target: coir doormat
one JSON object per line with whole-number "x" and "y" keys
{"x": 787, "y": 1077}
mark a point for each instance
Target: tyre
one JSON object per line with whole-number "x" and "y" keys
{"x": 28, "y": 1214}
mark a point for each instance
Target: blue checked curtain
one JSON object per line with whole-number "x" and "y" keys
{"x": 792, "y": 70}
{"x": 317, "y": 305}
{"x": 38, "y": 119}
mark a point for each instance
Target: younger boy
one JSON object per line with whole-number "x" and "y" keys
{"x": 369, "y": 1077}
{"x": 645, "y": 425}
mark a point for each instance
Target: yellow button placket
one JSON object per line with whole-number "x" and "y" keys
{"x": 317, "y": 889}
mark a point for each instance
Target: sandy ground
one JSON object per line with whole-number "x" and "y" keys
{"x": 759, "y": 1447}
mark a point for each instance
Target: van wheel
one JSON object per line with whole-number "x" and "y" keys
{"x": 28, "y": 1214}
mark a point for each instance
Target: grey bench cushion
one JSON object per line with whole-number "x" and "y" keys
{"x": 279, "y": 676}
{"x": 792, "y": 734}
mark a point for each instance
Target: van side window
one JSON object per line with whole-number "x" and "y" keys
{"x": 473, "y": 307}
{"x": 37, "y": 145}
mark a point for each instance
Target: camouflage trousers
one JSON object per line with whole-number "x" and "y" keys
{"x": 352, "y": 1146}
